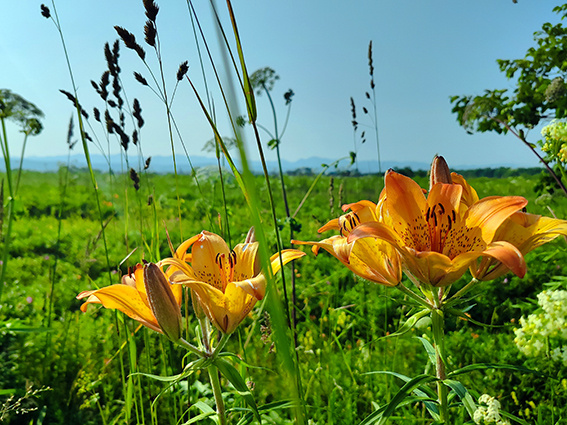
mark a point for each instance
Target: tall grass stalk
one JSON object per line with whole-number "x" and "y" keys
{"x": 374, "y": 109}
{"x": 247, "y": 185}
{"x": 55, "y": 20}
{"x": 10, "y": 214}
{"x": 53, "y": 276}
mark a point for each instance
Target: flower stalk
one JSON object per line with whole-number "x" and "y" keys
{"x": 217, "y": 392}
{"x": 438, "y": 326}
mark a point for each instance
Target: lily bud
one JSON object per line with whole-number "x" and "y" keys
{"x": 440, "y": 172}
{"x": 162, "y": 302}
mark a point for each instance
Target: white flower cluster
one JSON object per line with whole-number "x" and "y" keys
{"x": 546, "y": 326}
{"x": 555, "y": 136}
{"x": 488, "y": 411}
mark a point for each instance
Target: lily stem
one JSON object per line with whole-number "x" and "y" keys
{"x": 461, "y": 292}
{"x": 438, "y": 327}
{"x": 217, "y": 391}
{"x": 400, "y": 286}
{"x": 191, "y": 347}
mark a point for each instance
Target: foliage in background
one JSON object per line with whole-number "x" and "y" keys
{"x": 540, "y": 94}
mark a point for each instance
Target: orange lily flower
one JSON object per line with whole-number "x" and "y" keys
{"x": 143, "y": 295}
{"x": 226, "y": 283}
{"x": 371, "y": 259}
{"x": 526, "y": 232}
{"x": 440, "y": 236}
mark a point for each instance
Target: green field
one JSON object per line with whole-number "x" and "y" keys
{"x": 67, "y": 367}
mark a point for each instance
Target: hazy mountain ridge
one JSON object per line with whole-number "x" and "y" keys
{"x": 164, "y": 164}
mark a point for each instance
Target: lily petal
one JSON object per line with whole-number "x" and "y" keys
{"x": 499, "y": 258}
{"x": 123, "y": 298}
{"x": 370, "y": 259}
{"x": 287, "y": 256}
{"x": 206, "y": 251}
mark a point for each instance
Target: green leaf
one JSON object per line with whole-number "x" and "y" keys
{"x": 230, "y": 373}
{"x": 276, "y": 405}
{"x": 429, "y": 349}
{"x": 386, "y": 411}
{"x": 426, "y": 394}
{"x": 485, "y": 366}
{"x": 463, "y": 394}
{"x": 248, "y": 89}
{"x": 409, "y": 323}
{"x": 206, "y": 412}
{"x": 462, "y": 315}
{"x": 514, "y": 418}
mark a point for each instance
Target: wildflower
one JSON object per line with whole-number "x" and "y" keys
{"x": 227, "y": 284}
{"x": 440, "y": 236}
{"x": 526, "y": 232}
{"x": 144, "y": 295}
{"x": 545, "y": 329}
{"x": 488, "y": 411}
{"x": 371, "y": 259}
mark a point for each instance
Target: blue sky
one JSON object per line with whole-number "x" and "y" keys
{"x": 424, "y": 52}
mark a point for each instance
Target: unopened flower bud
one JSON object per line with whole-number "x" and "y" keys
{"x": 440, "y": 172}
{"x": 162, "y": 301}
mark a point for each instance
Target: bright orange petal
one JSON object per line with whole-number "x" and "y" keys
{"x": 123, "y": 298}
{"x": 469, "y": 196}
{"x": 247, "y": 260}
{"x": 287, "y": 256}
{"x": 181, "y": 251}
{"x": 361, "y": 212}
{"x": 489, "y": 213}
{"x": 206, "y": 252}
{"x": 499, "y": 258}
{"x": 255, "y": 286}
{"x": 404, "y": 209}
{"x": 370, "y": 259}
{"x": 330, "y": 225}
{"x": 529, "y": 231}
{"x": 377, "y": 261}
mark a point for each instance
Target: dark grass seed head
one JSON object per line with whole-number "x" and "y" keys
{"x": 140, "y": 79}
{"x": 370, "y": 62}
{"x": 183, "y": 68}
{"x": 152, "y": 9}
{"x": 135, "y": 179}
{"x": 137, "y": 113}
{"x": 45, "y": 12}
{"x": 150, "y": 33}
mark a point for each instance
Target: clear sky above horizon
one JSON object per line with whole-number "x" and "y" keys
{"x": 424, "y": 52}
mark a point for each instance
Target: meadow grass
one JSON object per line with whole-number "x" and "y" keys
{"x": 329, "y": 353}
{"x": 342, "y": 320}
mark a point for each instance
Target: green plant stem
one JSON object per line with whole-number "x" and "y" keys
{"x": 21, "y": 163}
{"x": 438, "y": 327}
{"x": 190, "y": 347}
{"x": 286, "y": 204}
{"x": 455, "y": 298}
{"x": 217, "y": 391}
{"x": 401, "y": 287}
{"x": 10, "y": 218}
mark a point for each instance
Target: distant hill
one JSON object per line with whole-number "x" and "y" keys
{"x": 164, "y": 164}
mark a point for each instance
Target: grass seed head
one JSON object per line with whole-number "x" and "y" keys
{"x": 183, "y": 68}
{"x": 45, "y": 12}
{"x": 150, "y": 33}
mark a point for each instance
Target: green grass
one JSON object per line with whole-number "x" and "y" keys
{"x": 342, "y": 320}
